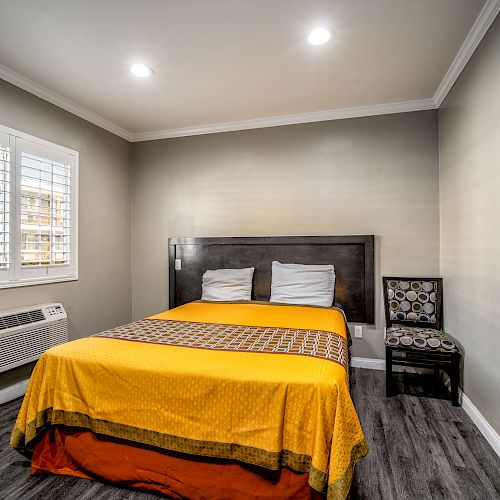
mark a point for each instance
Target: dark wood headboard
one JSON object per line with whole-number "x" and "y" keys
{"x": 352, "y": 256}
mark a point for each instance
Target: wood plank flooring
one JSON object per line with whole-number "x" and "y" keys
{"x": 420, "y": 448}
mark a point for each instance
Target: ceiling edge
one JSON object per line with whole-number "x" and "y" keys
{"x": 277, "y": 121}
{"x": 474, "y": 37}
{"x": 479, "y": 28}
{"x": 44, "y": 93}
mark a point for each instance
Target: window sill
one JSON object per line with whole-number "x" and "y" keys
{"x": 34, "y": 282}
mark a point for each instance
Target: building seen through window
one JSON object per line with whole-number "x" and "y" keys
{"x": 45, "y": 212}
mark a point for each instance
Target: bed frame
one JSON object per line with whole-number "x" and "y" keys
{"x": 352, "y": 256}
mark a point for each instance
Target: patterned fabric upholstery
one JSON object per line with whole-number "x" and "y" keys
{"x": 419, "y": 339}
{"x": 413, "y": 314}
{"x": 414, "y": 300}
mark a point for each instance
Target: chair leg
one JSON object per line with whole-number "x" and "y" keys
{"x": 388, "y": 371}
{"x": 435, "y": 382}
{"x": 455, "y": 379}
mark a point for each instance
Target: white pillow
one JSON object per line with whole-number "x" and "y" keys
{"x": 227, "y": 284}
{"x": 312, "y": 285}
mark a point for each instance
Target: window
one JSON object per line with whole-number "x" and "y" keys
{"x": 38, "y": 211}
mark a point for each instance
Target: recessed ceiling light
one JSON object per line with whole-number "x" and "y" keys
{"x": 141, "y": 70}
{"x": 319, "y": 36}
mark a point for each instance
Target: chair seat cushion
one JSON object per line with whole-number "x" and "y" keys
{"x": 426, "y": 339}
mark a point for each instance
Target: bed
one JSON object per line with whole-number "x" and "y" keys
{"x": 211, "y": 400}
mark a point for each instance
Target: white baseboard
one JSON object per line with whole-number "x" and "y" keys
{"x": 475, "y": 415}
{"x": 490, "y": 434}
{"x": 13, "y": 391}
{"x": 377, "y": 364}
{"x": 368, "y": 363}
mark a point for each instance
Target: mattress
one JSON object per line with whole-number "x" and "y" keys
{"x": 259, "y": 384}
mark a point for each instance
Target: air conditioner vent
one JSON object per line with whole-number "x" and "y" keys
{"x": 21, "y": 318}
{"x": 25, "y": 334}
{"x": 36, "y": 315}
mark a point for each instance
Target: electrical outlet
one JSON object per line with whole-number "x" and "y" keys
{"x": 178, "y": 264}
{"x": 358, "y": 331}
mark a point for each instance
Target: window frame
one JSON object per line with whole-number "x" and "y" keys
{"x": 15, "y": 271}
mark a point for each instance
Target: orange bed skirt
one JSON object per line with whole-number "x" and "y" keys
{"x": 81, "y": 453}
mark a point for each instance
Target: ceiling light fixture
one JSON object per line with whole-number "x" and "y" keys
{"x": 141, "y": 70}
{"x": 319, "y": 36}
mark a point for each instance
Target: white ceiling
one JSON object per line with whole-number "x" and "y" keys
{"x": 218, "y": 61}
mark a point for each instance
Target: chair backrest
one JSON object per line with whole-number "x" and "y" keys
{"x": 413, "y": 301}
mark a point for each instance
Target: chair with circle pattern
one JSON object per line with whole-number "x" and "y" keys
{"x": 413, "y": 313}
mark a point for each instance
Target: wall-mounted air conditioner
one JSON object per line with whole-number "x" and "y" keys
{"x": 27, "y": 332}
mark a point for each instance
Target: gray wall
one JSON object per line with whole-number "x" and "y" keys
{"x": 376, "y": 175}
{"x": 101, "y": 298}
{"x": 469, "y": 138}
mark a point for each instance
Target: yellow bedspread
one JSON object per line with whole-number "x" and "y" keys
{"x": 262, "y": 408}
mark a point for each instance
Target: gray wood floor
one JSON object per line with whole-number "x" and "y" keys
{"x": 420, "y": 448}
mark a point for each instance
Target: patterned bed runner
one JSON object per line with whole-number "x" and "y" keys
{"x": 316, "y": 343}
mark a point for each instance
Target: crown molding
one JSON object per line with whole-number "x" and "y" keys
{"x": 474, "y": 37}
{"x": 476, "y": 34}
{"x": 44, "y": 93}
{"x": 277, "y": 121}
{"x": 481, "y": 25}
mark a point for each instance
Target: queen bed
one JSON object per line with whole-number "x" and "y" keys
{"x": 245, "y": 399}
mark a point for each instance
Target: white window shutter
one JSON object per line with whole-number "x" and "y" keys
{"x": 38, "y": 211}
{"x": 5, "y": 208}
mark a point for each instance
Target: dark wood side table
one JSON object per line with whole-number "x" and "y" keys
{"x": 437, "y": 360}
